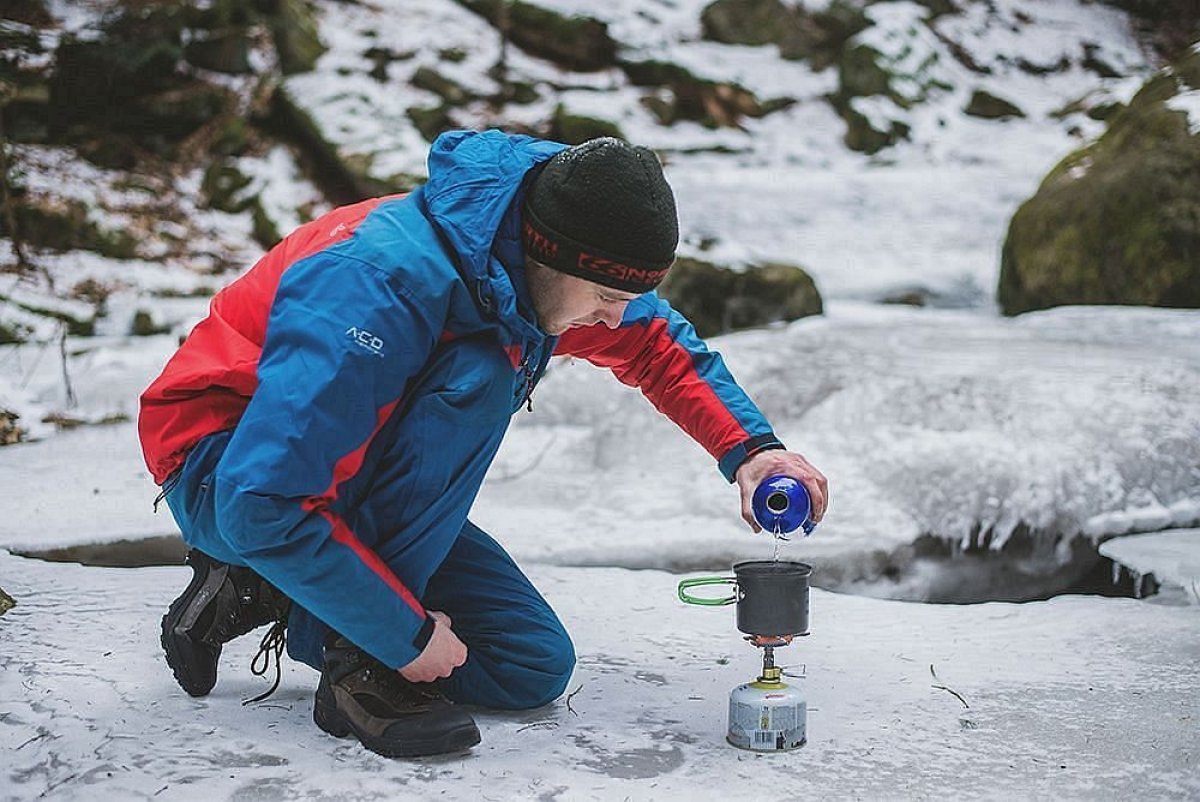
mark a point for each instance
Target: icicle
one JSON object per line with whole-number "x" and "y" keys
{"x": 1137, "y": 585}
{"x": 1116, "y": 573}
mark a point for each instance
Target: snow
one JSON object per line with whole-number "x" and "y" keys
{"x": 1189, "y": 103}
{"x": 1075, "y": 698}
{"x": 955, "y": 423}
{"x": 1171, "y": 556}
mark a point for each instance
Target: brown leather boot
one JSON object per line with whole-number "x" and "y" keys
{"x": 389, "y": 715}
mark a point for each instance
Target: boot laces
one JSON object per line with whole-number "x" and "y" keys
{"x": 271, "y": 647}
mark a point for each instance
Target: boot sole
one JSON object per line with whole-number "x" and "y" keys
{"x": 178, "y": 648}
{"x": 456, "y": 740}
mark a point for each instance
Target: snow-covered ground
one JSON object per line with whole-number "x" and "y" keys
{"x": 1075, "y": 698}
{"x": 958, "y": 424}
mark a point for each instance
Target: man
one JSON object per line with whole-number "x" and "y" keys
{"x": 321, "y": 435}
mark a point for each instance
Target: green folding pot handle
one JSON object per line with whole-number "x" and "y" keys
{"x": 707, "y": 580}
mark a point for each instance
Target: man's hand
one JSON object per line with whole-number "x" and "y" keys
{"x": 765, "y": 464}
{"x": 444, "y": 653}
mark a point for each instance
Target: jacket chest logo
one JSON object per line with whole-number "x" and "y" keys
{"x": 366, "y": 340}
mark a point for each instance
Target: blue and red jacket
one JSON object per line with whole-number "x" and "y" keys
{"x": 309, "y": 353}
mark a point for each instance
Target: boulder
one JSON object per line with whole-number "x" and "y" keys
{"x": 816, "y": 36}
{"x": 6, "y": 602}
{"x": 718, "y": 299}
{"x": 575, "y": 128}
{"x": 989, "y": 107}
{"x": 1117, "y": 222}
{"x": 575, "y": 42}
{"x": 684, "y": 96}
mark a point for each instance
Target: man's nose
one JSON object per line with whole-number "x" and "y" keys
{"x": 611, "y": 317}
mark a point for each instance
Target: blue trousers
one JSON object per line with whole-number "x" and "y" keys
{"x": 409, "y": 502}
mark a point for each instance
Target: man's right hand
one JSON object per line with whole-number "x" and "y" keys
{"x": 444, "y": 653}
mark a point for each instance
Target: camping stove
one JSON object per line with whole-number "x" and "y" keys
{"x": 768, "y": 715}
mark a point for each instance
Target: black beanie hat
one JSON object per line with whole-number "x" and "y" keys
{"x": 603, "y": 211}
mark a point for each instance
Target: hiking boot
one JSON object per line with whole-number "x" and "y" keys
{"x": 389, "y": 715}
{"x": 221, "y": 602}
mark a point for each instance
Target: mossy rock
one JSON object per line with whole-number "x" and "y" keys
{"x": 340, "y": 180}
{"x": 6, "y": 602}
{"x": 263, "y": 228}
{"x": 575, "y": 128}
{"x": 1117, "y": 222}
{"x": 1171, "y": 26}
{"x": 711, "y": 103}
{"x": 226, "y": 51}
{"x": 294, "y": 31}
{"x": 431, "y": 121}
{"x": 989, "y": 107}
{"x": 861, "y": 73}
{"x": 744, "y": 22}
{"x": 816, "y": 36}
{"x": 143, "y": 325}
{"x": 575, "y": 42}
{"x": 718, "y": 300}
{"x": 13, "y": 335}
{"x": 451, "y": 93}
{"x": 865, "y": 135}
{"x": 63, "y": 225}
{"x": 222, "y": 187}
{"x": 28, "y": 12}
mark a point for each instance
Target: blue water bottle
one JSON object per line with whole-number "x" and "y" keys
{"x": 781, "y": 505}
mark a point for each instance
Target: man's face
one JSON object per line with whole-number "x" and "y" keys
{"x": 563, "y": 301}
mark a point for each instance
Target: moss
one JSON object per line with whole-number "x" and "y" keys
{"x": 1117, "y": 222}
{"x": 860, "y": 73}
{"x": 65, "y": 226}
{"x": 744, "y": 22}
{"x": 294, "y": 30}
{"x": 988, "y": 106}
{"x": 264, "y": 230}
{"x": 143, "y": 325}
{"x": 336, "y": 177}
{"x": 12, "y": 335}
{"x": 718, "y": 300}
{"x": 431, "y": 121}
{"x": 227, "y": 51}
{"x": 710, "y": 103}
{"x": 575, "y": 128}
{"x": 450, "y": 92}
{"x": 576, "y": 42}
{"x": 221, "y": 185}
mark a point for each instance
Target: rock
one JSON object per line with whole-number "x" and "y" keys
{"x": 222, "y": 186}
{"x": 687, "y": 97}
{"x": 744, "y": 22}
{"x": 1117, "y": 222}
{"x": 227, "y": 51}
{"x": 10, "y": 432}
{"x": 294, "y": 30}
{"x": 6, "y": 602}
{"x": 988, "y": 106}
{"x": 718, "y": 300}
{"x": 1171, "y": 26}
{"x": 143, "y": 325}
{"x": 801, "y": 34}
{"x": 432, "y": 81}
{"x": 431, "y": 121}
{"x": 575, "y": 42}
{"x": 572, "y": 129}
{"x": 875, "y": 89}
{"x": 340, "y": 180}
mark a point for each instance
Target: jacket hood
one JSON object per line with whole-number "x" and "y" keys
{"x": 474, "y": 178}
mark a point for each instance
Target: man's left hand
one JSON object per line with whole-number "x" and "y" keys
{"x": 775, "y": 462}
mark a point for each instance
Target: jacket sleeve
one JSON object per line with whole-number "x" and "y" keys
{"x": 343, "y": 342}
{"x": 656, "y": 349}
